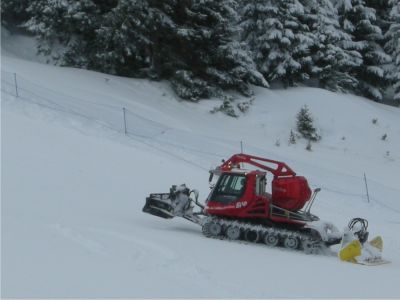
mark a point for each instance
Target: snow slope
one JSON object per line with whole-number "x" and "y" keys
{"x": 73, "y": 186}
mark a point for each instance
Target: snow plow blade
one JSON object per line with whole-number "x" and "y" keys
{"x": 159, "y": 205}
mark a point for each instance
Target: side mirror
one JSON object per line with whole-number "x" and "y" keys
{"x": 211, "y": 177}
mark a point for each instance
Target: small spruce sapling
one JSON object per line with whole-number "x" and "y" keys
{"x": 226, "y": 107}
{"x": 308, "y": 147}
{"x": 244, "y": 106}
{"x": 305, "y": 125}
{"x": 384, "y": 137}
{"x": 292, "y": 138}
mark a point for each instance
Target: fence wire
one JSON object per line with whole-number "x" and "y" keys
{"x": 144, "y": 130}
{"x": 14, "y": 86}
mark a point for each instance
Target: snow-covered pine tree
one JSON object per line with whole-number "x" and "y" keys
{"x": 292, "y": 138}
{"x": 108, "y": 36}
{"x": 259, "y": 21}
{"x": 164, "y": 24}
{"x": 333, "y": 53}
{"x": 69, "y": 23}
{"x": 382, "y": 13}
{"x": 106, "y": 5}
{"x": 195, "y": 45}
{"x": 392, "y": 46}
{"x": 384, "y": 21}
{"x": 122, "y": 44}
{"x": 279, "y": 39}
{"x": 14, "y": 12}
{"x": 305, "y": 124}
{"x": 360, "y": 21}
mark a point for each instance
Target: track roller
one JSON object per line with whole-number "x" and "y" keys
{"x": 271, "y": 239}
{"x": 251, "y": 235}
{"x": 291, "y": 242}
{"x": 233, "y": 232}
{"x": 214, "y": 229}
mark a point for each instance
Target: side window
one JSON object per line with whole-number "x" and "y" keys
{"x": 261, "y": 183}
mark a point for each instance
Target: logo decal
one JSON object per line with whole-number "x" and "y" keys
{"x": 241, "y": 204}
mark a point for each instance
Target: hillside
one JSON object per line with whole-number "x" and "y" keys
{"x": 73, "y": 186}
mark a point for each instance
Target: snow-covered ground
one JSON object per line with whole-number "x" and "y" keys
{"x": 73, "y": 187}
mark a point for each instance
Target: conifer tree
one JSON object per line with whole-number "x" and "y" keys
{"x": 279, "y": 38}
{"x": 70, "y": 23}
{"x": 122, "y": 44}
{"x": 393, "y": 46}
{"x": 14, "y": 12}
{"x": 105, "y": 6}
{"x": 382, "y": 12}
{"x": 292, "y": 138}
{"x": 196, "y": 46}
{"x": 360, "y": 21}
{"x": 106, "y": 36}
{"x": 305, "y": 124}
{"x": 333, "y": 53}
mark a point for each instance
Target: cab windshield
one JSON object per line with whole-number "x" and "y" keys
{"x": 229, "y": 188}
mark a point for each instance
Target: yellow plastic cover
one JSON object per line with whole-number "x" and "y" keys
{"x": 377, "y": 242}
{"x": 350, "y": 251}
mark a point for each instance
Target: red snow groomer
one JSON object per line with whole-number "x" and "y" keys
{"x": 239, "y": 207}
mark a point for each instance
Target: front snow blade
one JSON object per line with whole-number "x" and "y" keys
{"x": 159, "y": 205}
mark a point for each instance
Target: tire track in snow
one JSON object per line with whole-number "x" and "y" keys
{"x": 141, "y": 252}
{"x": 144, "y": 245}
{"x": 82, "y": 240}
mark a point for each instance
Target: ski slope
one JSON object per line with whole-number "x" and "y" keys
{"x": 73, "y": 186}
